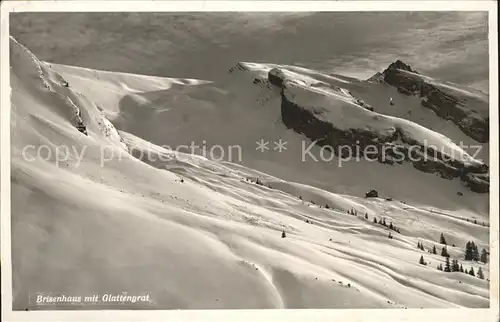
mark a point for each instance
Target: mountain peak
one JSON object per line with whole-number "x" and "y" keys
{"x": 399, "y": 64}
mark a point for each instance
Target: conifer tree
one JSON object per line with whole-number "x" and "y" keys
{"x": 422, "y": 261}
{"x": 374, "y": 220}
{"x": 327, "y": 206}
{"x": 475, "y": 252}
{"x": 472, "y": 249}
{"x": 461, "y": 268}
{"x": 391, "y": 226}
{"x": 434, "y": 251}
{"x": 484, "y": 256}
{"x": 366, "y": 216}
{"x": 468, "y": 251}
{"x": 283, "y": 234}
{"x": 442, "y": 240}
{"x": 471, "y": 272}
{"x": 447, "y": 267}
{"x": 480, "y": 273}
{"x": 440, "y": 267}
{"x": 444, "y": 252}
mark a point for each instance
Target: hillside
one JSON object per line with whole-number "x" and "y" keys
{"x": 121, "y": 212}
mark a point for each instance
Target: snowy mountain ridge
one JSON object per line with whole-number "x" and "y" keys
{"x": 331, "y": 116}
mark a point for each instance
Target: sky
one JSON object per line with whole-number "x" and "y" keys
{"x": 451, "y": 46}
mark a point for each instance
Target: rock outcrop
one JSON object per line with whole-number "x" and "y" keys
{"x": 276, "y": 77}
{"x": 443, "y": 102}
{"x": 391, "y": 148}
{"x": 371, "y": 194}
{"x": 80, "y": 126}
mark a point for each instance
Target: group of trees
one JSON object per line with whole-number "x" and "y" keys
{"x": 433, "y": 250}
{"x": 420, "y": 246}
{"x": 384, "y": 223}
{"x": 381, "y": 222}
{"x": 454, "y": 266}
{"x": 259, "y": 182}
{"x": 471, "y": 253}
{"x": 354, "y": 212}
{"x": 475, "y": 222}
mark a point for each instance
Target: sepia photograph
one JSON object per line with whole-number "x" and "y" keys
{"x": 249, "y": 160}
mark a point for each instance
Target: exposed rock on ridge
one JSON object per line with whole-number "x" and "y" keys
{"x": 395, "y": 147}
{"x": 442, "y": 102}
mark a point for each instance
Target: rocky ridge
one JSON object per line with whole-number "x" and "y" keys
{"x": 392, "y": 148}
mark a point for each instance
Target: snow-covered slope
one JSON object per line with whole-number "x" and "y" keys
{"x": 121, "y": 213}
{"x": 244, "y": 108}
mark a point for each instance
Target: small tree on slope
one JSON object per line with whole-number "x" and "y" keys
{"x": 484, "y": 256}
{"x": 447, "y": 267}
{"x": 471, "y": 251}
{"x": 480, "y": 273}
{"x": 422, "y": 261}
{"x": 442, "y": 240}
{"x": 468, "y": 251}
{"x": 475, "y": 252}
